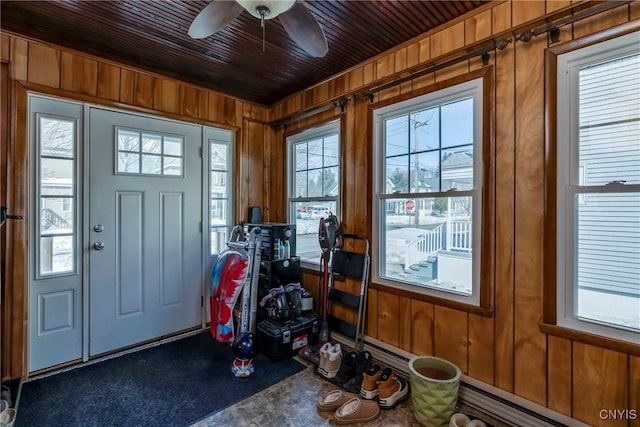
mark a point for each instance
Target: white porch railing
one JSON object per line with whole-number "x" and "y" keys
{"x": 459, "y": 236}
{"x": 422, "y": 248}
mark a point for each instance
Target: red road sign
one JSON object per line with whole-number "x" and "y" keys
{"x": 410, "y": 205}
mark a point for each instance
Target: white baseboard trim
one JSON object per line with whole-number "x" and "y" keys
{"x": 504, "y": 406}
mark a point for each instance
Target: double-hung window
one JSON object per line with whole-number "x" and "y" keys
{"x": 428, "y": 189}
{"x": 597, "y": 199}
{"x": 314, "y": 184}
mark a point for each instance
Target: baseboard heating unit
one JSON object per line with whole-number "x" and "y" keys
{"x": 501, "y": 405}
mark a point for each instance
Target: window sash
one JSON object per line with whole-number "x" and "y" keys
{"x": 572, "y": 190}
{"x": 322, "y": 133}
{"x": 470, "y": 89}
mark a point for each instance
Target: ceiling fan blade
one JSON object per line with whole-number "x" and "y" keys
{"x": 213, "y": 18}
{"x": 303, "y": 29}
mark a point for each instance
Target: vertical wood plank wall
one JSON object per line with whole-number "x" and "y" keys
{"x": 506, "y": 350}
{"x": 51, "y": 70}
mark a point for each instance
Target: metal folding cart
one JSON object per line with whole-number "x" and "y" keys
{"x": 355, "y": 265}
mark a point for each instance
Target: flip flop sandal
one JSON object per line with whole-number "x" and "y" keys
{"x": 332, "y": 400}
{"x": 357, "y": 411}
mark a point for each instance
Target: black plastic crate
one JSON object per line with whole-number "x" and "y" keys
{"x": 280, "y": 340}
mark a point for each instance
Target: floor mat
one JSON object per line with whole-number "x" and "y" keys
{"x": 173, "y": 384}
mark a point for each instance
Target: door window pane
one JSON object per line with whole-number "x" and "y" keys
{"x": 56, "y": 176}
{"x": 148, "y": 154}
{"x": 56, "y": 215}
{"x": 57, "y": 137}
{"x": 56, "y": 254}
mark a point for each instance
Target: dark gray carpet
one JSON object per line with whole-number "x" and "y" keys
{"x": 174, "y": 384}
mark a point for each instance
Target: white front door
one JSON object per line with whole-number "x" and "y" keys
{"x": 144, "y": 225}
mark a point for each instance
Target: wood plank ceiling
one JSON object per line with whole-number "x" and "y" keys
{"x": 152, "y": 35}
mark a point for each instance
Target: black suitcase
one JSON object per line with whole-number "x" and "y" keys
{"x": 279, "y": 340}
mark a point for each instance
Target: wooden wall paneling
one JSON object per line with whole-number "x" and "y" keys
{"x": 455, "y": 70}
{"x": 338, "y": 85}
{"x": 108, "y": 81}
{"x": 5, "y": 43}
{"x": 406, "y": 87}
{"x": 601, "y": 21}
{"x": 356, "y": 78}
{"x": 254, "y": 112}
{"x": 388, "y": 93}
{"x": 400, "y": 59}
{"x": 404, "y": 323}
{"x": 421, "y": 328}
{"x": 5, "y": 118}
{"x": 388, "y": 315}
{"x": 127, "y": 80}
{"x": 368, "y": 73}
{"x": 481, "y": 348}
{"x": 274, "y": 207}
{"x": 553, "y": 5}
{"x": 143, "y": 89}
{"x": 371, "y": 326}
{"x": 222, "y": 109}
{"x": 193, "y": 102}
{"x": 476, "y": 63}
{"x": 505, "y": 208}
{"x": 308, "y": 99}
{"x": 47, "y": 70}
{"x": 362, "y": 169}
{"x": 501, "y": 17}
{"x": 238, "y": 114}
{"x": 450, "y": 336}
{"x": 634, "y": 390}
{"x": 423, "y": 81}
{"x": 600, "y": 382}
{"x": 447, "y": 40}
{"x": 79, "y": 74}
{"x": 425, "y": 49}
{"x": 634, "y": 13}
{"x": 166, "y": 95}
{"x": 16, "y": 234}
{"x": 413, "y": 55}
{"x": 253, "y": 162}
{"x": 559, "y": 369}
{"x": 477, "y": 27}
{"x": 526, "y": 10}
{"x": 349, "y": 138}
{"x": 348, "y": 193}
{"x": 18, "y": 59}
{"x": 320, "y": 93}
{"x": 530, "y": 343}
{"x": 385, "y": 66}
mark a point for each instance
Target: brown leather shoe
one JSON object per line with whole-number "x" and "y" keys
{"x": 392, "y": 390}
{"x": 370, "y": 378}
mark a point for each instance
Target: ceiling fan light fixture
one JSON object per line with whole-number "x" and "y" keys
{"x": 265, "y": 9}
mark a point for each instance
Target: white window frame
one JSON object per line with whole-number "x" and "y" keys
{"x": 471, "y": 88}
{"x": 320, "y": 131}
{"x": 224, "y": 137}
{"x": 75, "y": 196}
{"x": 569, "y": 180}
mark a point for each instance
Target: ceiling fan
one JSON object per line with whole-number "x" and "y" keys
{"x": 296, "y": 19}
